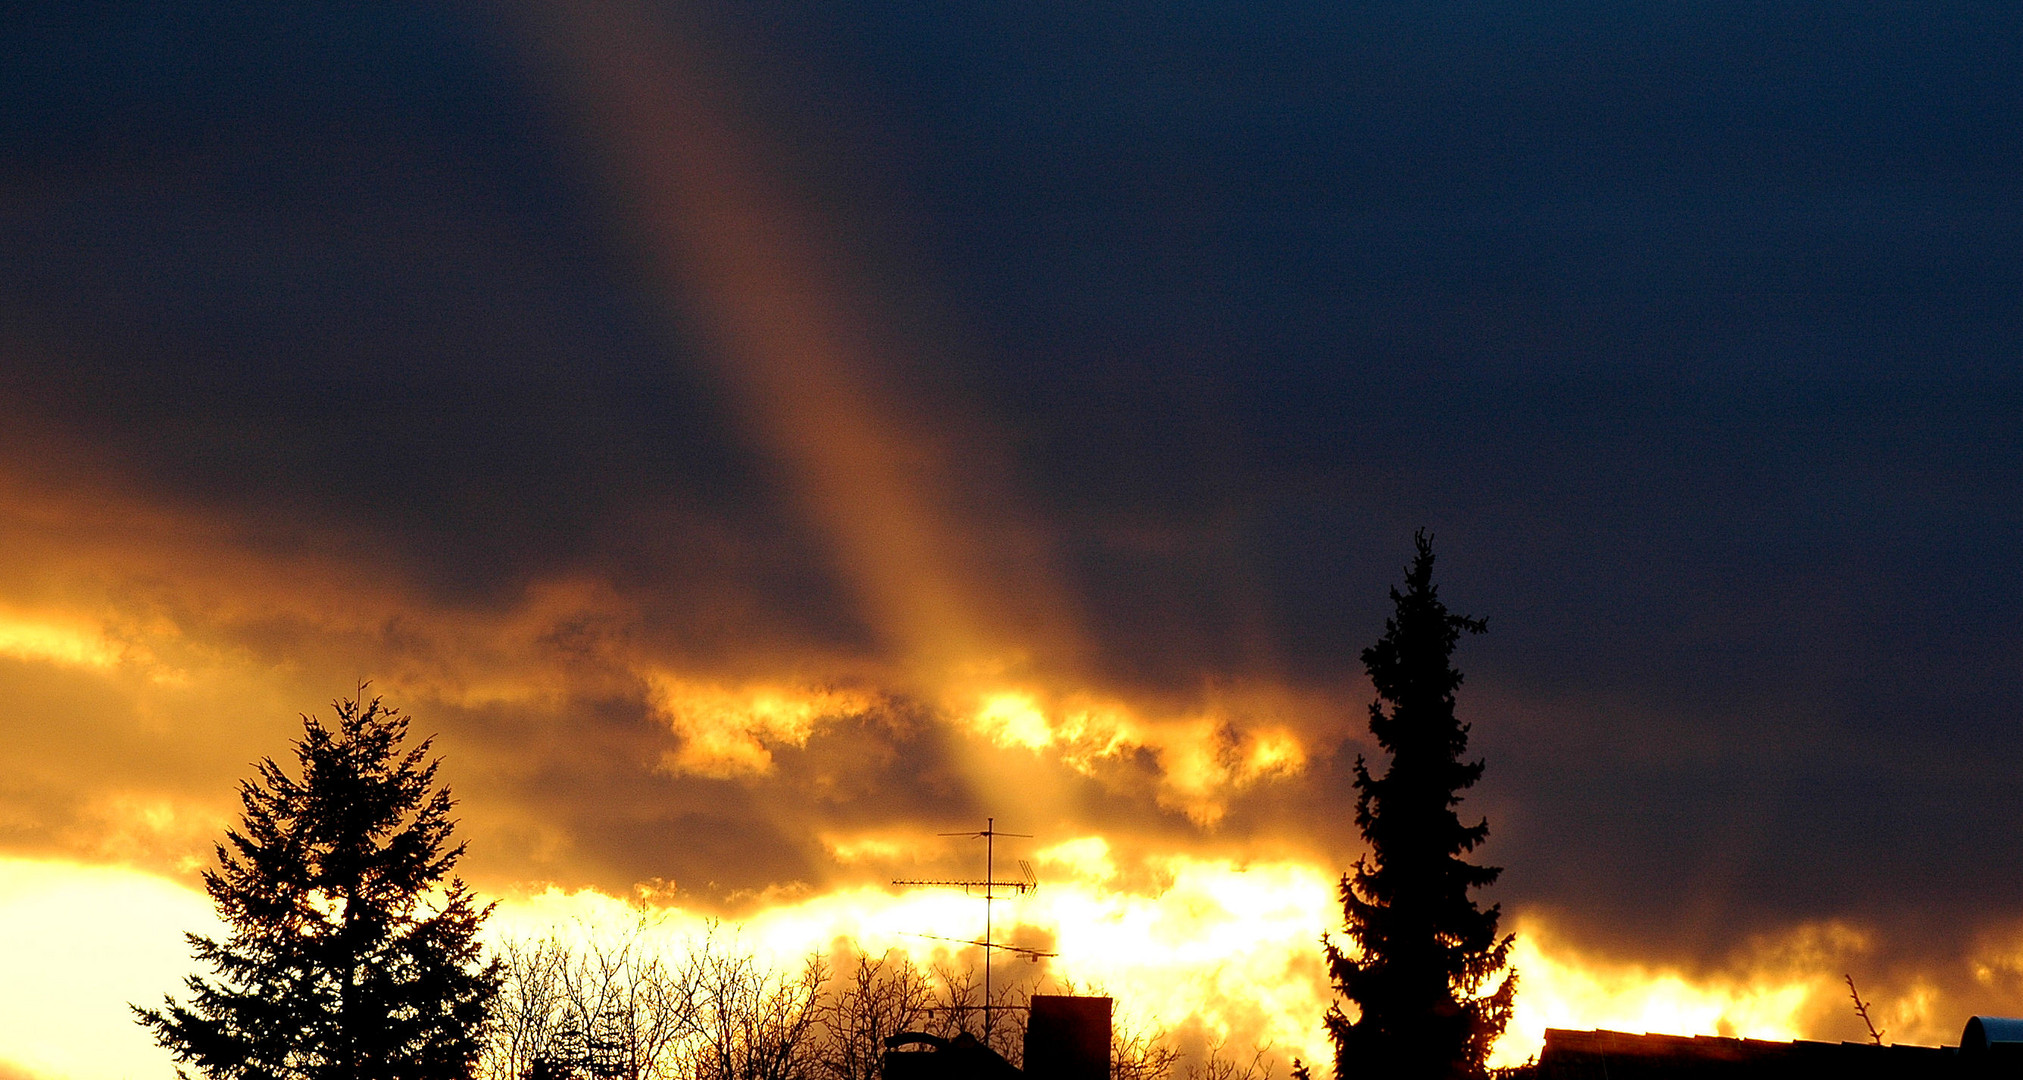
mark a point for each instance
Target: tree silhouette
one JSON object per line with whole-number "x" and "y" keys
{"x": 348, "y": 957}
{"x": 1423, "y": 952}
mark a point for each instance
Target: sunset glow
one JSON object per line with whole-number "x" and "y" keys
{"x": 1213, "y": 952}
{"x": 1215, "y": 949}
{"x": 760, "y": 446}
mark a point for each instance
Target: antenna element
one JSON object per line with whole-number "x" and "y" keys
{"x": 993, "y": 891}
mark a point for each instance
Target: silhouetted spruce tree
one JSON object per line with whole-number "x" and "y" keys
{"x": 1423, "y": 952}
{"x": 349, "y": 956}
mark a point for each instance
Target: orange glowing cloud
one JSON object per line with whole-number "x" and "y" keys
{"x": 1211, "y": 950}
{"x": 201, "y": 648}
{"x": 145, "y": 676}
{"x": 1781, "y": 986}
{"x": 1202, "y": 758}
{"x": 726, "y": 731}
{"x": 57, "y": 639}
{"x": 1222, "y": 949}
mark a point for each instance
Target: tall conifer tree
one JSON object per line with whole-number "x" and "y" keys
{"x": 1422, "y": 952}
{"x": 349, "y": 956}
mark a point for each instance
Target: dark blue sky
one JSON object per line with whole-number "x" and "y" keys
{"x": 1690, "y": 329}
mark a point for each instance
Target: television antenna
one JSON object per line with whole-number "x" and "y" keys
{"x": 993, "y": 890}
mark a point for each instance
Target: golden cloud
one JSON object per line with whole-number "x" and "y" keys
{"x": 726, "y": 731}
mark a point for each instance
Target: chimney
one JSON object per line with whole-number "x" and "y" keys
{"x": 1068, "y": 1038}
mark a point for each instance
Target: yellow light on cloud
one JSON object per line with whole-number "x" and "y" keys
{"x": 81, "y": 943}
{"x": 54, "y": 640}
{"x": 1211, "y": 944}
{"x": 1203, "y": 756}
{"x": 727, "y": 730}
{"x": 1214, "y": 948}
{"x": 1014, "y": 719}
{"x": 1766, "y": 995}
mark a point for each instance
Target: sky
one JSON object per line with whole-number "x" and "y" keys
{"x": 756, "y": 438}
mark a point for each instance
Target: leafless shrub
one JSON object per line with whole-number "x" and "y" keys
{"x": 882, "y": 996}
{"x": 620, "y": 1009}
{"x": 629, "y": 1010}
{"x": 1215, "y": 1065}
{"x": 751, "y": 1023}
{"x": 1002, "y": 1027}
{"x": 1139, "y": 1052}
{"x": 528, "y": 1014}
{"x": 607, "y": 1010}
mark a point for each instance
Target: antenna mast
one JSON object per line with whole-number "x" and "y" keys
{"x": 1026, "y": 884}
